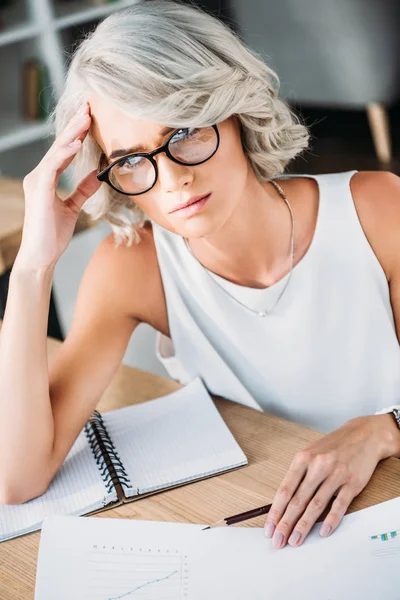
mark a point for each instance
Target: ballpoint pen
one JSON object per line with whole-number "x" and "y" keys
{"x": 249, "y": 514}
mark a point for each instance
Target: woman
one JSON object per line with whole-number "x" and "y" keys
{"x": 282, "y": 293}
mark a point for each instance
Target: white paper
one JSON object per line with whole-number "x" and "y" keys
{"x": 77, "y": 488}
{"x": 172, "y": 440}
{"x": 98, "y": 558}
{"x": 111, "y": 559}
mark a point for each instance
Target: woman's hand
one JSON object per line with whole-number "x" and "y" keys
{"x": 49, "y": 222}
{"x": 339, "y": 464}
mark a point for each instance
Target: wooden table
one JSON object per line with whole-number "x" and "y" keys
{"x": 268, "y": 442}
{"x": 11, "y": 221}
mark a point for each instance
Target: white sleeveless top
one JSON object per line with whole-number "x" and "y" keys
{"x": 328, "y": 351}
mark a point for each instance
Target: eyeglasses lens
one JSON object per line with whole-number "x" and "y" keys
{"x": 133, "y": 175}
{"x": 136, "y": 174}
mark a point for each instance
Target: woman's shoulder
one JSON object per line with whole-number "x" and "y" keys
{"x": 133, "y": 273}
{"x": 370, "y": 184}
{"x": 376, "y": 196}
{"x": 121, "y": 255}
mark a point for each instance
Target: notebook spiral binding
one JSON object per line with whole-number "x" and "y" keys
{"x": 96, "y": 431}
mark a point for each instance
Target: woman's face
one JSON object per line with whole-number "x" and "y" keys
{"x": 224, "y": 175}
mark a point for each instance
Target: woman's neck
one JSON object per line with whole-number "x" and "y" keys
{"x": 252, "y": 248}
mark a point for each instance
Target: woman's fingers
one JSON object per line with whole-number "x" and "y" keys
{"x": 338, "y": 510}
{"x": 297, "y": 507}
{"x": 294, "y": 517}
{"x": 306, "y": 504}
{"x": 286, "y": 490}
{"x": 87, "y": 187}
{"x": 300, "y": 524}
{"x": 63, "y": 146}
{"x": 64, "y": 150}
{"x": 49, "y": 222}
{"x": 338, "y": 464}
{"x": 75, "y": 129}
{"x": 295, "y": 524}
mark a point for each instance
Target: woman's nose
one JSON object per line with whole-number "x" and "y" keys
{"x": 173, "y": 176}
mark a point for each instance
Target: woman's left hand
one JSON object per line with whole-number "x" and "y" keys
{"x": 339, "y": 464}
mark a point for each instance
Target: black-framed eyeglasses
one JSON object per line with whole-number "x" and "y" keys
{"x": 137, "y": 173}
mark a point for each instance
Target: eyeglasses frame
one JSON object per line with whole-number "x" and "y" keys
{"x": 105, "y": 177}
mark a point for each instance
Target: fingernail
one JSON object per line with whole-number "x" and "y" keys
{"x": 83, "y": 119}
{"x": 294, "y": 538}
{"x": 269, "y": 530}
{"x": 75, "y": 143}
{"x": 325, "y": 530}
{"x": 277, "y": 540}
{"x": 82, "y": 108}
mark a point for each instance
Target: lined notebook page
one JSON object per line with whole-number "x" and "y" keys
{"x": 172, "y": 440}
{"x": 76, "y": 489}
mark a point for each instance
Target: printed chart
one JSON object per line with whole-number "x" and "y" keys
{"x": 386, "y": 544}
{"x": 130, "y": 573}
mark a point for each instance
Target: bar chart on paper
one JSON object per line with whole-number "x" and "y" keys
{"x": 116, "y": 573}
{"x": 386, "y": 544}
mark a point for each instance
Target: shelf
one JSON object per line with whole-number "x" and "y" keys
{"x": 72, "y": 13}
{"x": 15, "y": 23}
{"x": 14, "y": 131}
{"x": 47, "y": 30}
{"x": 16, "y": 33}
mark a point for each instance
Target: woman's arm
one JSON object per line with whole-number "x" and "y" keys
{"x": 41, "y": 412}
{"x": 24, "y": 388}
{"x": 339, "y": 465}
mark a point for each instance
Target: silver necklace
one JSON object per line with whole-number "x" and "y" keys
{"x": 262, "y": 313}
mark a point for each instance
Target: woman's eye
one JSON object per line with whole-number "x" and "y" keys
{"x": 182, "y": 134}
{"x": 130, "y": 163}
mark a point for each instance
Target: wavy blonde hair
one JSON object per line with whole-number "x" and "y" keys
{"x": 179, "y": 66}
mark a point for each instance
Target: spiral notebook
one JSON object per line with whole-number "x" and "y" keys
{"x": 126, "y": 454}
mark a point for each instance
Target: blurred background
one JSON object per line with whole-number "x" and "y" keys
{"x": 338, "y": 61}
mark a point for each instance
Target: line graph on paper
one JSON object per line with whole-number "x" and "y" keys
{"x": 386, "y": 544}
{"x": 131, "y": 573}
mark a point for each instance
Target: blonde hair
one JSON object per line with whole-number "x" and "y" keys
{"x": 179, "y": 66}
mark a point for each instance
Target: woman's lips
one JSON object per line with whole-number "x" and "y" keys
{"x": 192, "y": 209}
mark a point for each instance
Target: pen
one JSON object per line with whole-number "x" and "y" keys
{"x": 250, "y": 514}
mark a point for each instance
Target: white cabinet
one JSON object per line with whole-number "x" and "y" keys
{"x": 46, "y": 30}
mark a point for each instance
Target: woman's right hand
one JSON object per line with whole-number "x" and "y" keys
{"x": 49, "y": 222}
